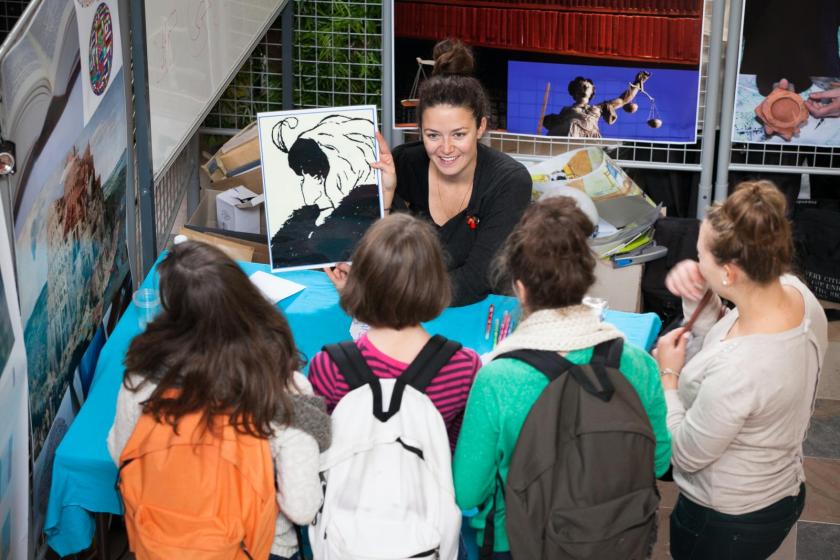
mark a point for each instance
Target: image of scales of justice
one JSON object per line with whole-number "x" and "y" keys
{"x": 654, "y": 119}
{"x": 413, "y": 100}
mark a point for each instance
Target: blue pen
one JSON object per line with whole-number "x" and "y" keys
{"x": 645, "y": 254}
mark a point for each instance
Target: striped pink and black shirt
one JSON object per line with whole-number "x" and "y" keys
{"x": 448, "y": 390}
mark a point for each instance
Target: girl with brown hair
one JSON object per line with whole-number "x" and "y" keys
{"x": 740, "y": 389}
{"x": 548, "y": 262}
{"x": 398, "y": 281}
{"x": 219, "y": 349}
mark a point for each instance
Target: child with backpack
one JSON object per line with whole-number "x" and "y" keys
{"x": 398, "y": 281}
{"x": 397, "y": 397}
{"x": 564, "y": 431}
{"x": 214, "y": 427}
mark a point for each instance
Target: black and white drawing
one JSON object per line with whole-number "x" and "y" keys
{"x": 321, "y": 193}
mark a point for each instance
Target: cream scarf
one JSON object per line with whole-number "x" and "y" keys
{"x": 559, "y": 330}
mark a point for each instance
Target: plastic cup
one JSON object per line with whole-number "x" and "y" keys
{"x": 147, "y": 303}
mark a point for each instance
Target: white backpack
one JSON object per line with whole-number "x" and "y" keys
{"x": 387, "y": 476}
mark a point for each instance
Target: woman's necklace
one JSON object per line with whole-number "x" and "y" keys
{"x": 448, "y": 216}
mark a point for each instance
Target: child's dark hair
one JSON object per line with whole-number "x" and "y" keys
{"x": 218, "y": 347}
{"x": 576, "y": 88}
{"x": 399, "y": 277}
{"x": 451, "y": 82}
{"x": 306, "y": 156}
{"x": 548, "y": 252}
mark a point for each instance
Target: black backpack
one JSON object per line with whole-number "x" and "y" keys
{"x": 581, "y": 481}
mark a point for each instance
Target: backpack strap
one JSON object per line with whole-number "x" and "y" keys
{"x": 609, "y": 352}
{"x": 435, "y": 354}
{"x": 604, "y": 355}
{"x": 351, "y": 363}
{"x": 486, "y": 551}
{"x": 551, "y": 364}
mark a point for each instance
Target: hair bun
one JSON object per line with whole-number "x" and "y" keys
{"x": 452, "y": 57}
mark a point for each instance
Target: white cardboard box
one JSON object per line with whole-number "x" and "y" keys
{"x": 238, "y": 209}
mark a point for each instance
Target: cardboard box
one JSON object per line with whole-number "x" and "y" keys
{"x": 621, "y": 287}
{"x": 235, "y": 250}
{"x": 205, "y": 215}
{"x": 238, "y": 209}
{"x": 251, "y": 179}
{"x": 204, "y": 221}
{"x": 238, "y": 155}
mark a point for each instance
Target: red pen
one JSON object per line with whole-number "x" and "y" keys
{"x": 489, "y": 323}
{"x": 505, "y": 326}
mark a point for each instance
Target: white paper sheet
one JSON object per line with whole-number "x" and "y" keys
{"x": 273, "y": 287}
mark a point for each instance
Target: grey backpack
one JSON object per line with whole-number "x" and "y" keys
{"x": 581, "y": 481}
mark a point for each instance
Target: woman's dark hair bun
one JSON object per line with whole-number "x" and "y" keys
{"x": 452, "y": 57}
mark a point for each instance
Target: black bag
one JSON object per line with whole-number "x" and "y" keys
{"x": 679, "y": 235}
{"x": 581, "y": 481}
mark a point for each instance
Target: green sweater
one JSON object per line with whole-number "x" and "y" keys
{"x": 501, "y": 398}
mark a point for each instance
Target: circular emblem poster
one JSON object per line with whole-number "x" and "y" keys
{"x": 101, "y": 50}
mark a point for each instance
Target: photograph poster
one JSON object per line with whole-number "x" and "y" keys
{"x": 100, "y": 49}
{"x": 321, "y": 193}
{"x": 592, "y": 69}
{"x": 602, "y": 101}
{"x": 788, "y": 89}
{"x": 14, "y": 432}
{"x": 69, "y": 217}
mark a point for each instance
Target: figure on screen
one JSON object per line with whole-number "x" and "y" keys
{"x": 581, "y": 120}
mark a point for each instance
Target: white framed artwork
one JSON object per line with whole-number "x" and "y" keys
{"x": 321, "y": 193}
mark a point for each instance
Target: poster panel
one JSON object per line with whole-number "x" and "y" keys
{"x": 547, "y": 99}
{"x": 617, "y": 69}
{"x": 14, "y": 433}
{"x": 100, "y": 49}
{"x": 788, "y": 89}
{"x": 321, "y": 193}
{"x": 69, "y": 214}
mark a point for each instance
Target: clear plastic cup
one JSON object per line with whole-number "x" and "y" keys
{"x": 147, "y": 304}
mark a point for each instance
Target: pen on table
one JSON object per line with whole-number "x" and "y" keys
{"x": 495, "y": 332}
{"x": 505, "y": 325}
{"x": 489, "y": 323}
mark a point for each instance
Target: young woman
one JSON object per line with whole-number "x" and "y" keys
{"x": 549, "y": 262}
{"x": 219, "y": 349}
{"x": 471, "y": 194}
{"x": 738, "y": 409}
{"x": 398, "y": 281}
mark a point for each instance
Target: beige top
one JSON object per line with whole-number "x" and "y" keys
{"x": 742, "y": 409}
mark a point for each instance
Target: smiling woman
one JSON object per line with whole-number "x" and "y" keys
{"x": 472, "y": 194}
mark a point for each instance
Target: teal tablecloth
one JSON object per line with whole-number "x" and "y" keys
{"x": 83, "y": 474}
